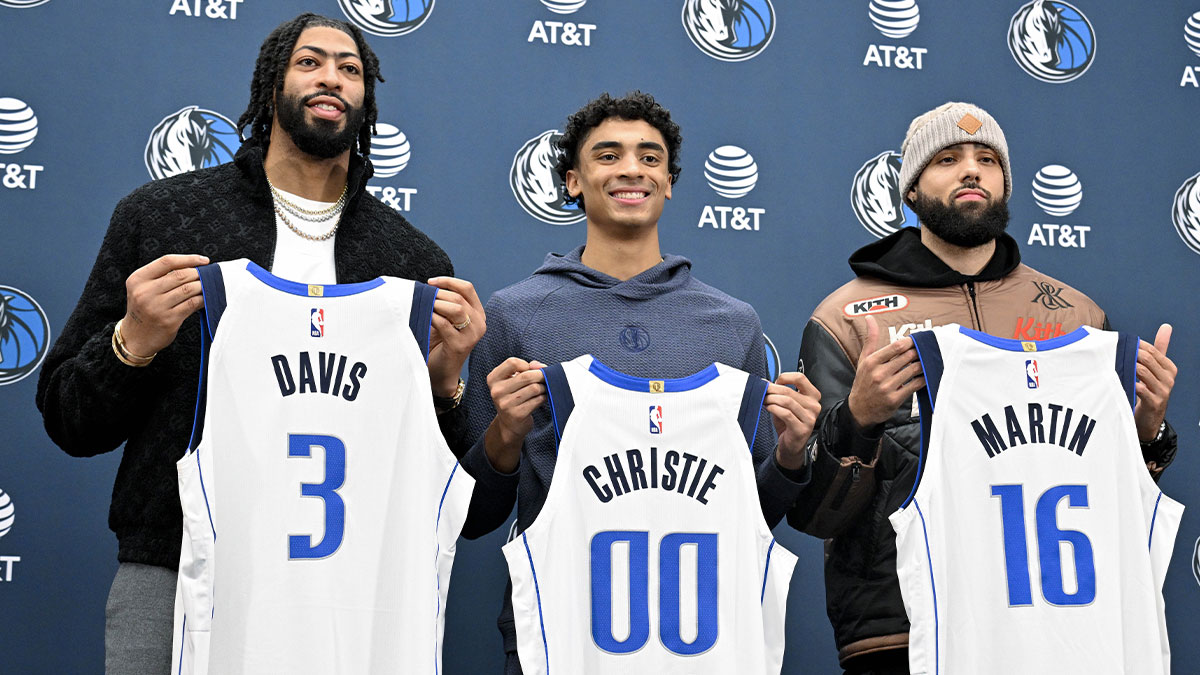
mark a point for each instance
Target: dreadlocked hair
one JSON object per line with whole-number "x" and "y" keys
{"x": 272, "y": 64}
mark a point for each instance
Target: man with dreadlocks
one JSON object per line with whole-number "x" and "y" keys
{"x": 124, "y": 368}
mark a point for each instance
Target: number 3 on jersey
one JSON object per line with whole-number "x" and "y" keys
{"x": 1049, "y": 540}
{"x": 669, "y": 601}
{"x": 300, "y": 546}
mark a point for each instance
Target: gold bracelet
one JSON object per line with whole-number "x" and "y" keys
{"x": 125, "y": 356}
{"x": 447, "y": 403}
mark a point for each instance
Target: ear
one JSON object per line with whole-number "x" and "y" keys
{"x": 910, "y": 197}
{"x": 572, "y": 183}
{"x": 667, "y": 192}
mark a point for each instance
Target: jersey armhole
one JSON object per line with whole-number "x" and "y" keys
{"x": 420, "y": 317}
{"x": 558, "y": 391}
{"x": 212, "y": 287}
{"x": 930, "y": 354}
{"x": 751, "y": 408}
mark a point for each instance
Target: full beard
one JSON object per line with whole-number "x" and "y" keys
{"x": 320, "y": 138}
{"x": 967, "y": 225}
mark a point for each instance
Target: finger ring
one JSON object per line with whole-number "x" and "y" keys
{"x": 464, "y": 324}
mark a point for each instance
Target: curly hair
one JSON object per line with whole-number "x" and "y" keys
{"x": 272, "y": 64}
{"x": 636, "y": 105}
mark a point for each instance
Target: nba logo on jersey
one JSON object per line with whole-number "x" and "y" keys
{"x": 1031, "y": 374}
{"x": 317, "y": 319}
{"x": 656, "y": 419}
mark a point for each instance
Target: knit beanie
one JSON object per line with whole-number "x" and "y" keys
{"x": 946, "y": 125}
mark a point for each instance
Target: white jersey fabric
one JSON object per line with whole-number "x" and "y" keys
{"x": 650, "y": 554}
{"x": 321, "y": 504}
{"x": 1035, "y": 540}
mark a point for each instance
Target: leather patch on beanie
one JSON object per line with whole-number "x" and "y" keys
{"x": 969, "y": 124}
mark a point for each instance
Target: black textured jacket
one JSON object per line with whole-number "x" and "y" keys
{"x": 92, "y": 403}
{"x": 862, "y": 476}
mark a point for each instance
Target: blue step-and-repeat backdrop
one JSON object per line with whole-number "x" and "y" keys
{"x": 807, "y": 101}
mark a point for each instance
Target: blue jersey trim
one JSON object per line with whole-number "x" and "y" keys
{"x": 212, "y": 287}
{"x": 929, "y": 352}
{"x": 201, "y": 407}
{"x": 1126, "y": 365}
{"x": 752, "y": 401}
{"x": 766, "y": 572}
{"x": 212, "y": 292}
{"x": 204, "y": 491}
{"x": 937, "y": 666}
{"x": 631, "y": 383}
{"x": 182, "y": 645}
{"x": 297, "y": 288}
{"x": 1016, "y": 345}
{"x": 437, "y": 524}
{"x": 420, "y": 317}
{"x": 538, "y": 592}
{"x": 1153, "y": 519}
{"x": 558, "y": 391}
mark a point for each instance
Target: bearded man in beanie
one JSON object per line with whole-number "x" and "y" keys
{"x": 958, "y": 267}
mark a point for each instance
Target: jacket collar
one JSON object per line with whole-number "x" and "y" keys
{"x": 249, "y": 159}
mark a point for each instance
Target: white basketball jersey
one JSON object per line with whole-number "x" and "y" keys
{"x": 650, "y": 554}
{"x": 321, "y": 505}
{"x": 1035, "y": 540}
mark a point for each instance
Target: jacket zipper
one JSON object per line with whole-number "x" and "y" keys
{"x": 844, "y": 489}
{"x": 974, "y": 306}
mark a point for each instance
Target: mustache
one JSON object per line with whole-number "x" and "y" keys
{"x": 972, "y": 185}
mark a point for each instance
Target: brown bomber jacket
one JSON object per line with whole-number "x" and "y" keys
{"x": 862, "y": 476}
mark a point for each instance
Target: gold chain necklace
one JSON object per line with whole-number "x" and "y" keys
{"x": 302, "y": 233}
{"x": 311, "y": 216}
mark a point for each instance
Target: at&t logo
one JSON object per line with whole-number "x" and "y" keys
{"x": 213, "y": 9}
{"x": 536, "y": 184}
{"x": 1057, "y": 190}
{"x": 1191, "y": 36}
{"x": 188, "y": 139}
{"x": 24, "y": 335}
{"x": 732, "y": 173}
{"x": 7, "y": 516}
{"x": 22, "y": 4}
{"x": 729, "y": 30}
{"x": 896, "y": 20}
{"x": 1185, "y": 212}
{"x": 562, "y": 32}
{"x": 875, "y": 195}
{"x": 1052, "y": 41}
{"x": 387, "y": 18}
{"x": 390, "y": 153}
{"x": 18, "y": 128}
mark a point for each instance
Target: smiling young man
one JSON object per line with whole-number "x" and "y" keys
{"x": 619, "y": 298}
{"x": 124, "y": 369}
{"x": 959, "y": 267}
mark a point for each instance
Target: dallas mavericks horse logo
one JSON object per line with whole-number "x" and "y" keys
{"x": 387, "y": 18}
{"x": 729, "y": 30}
{"x": 24, "y": 335}
{"x": 1052, "y": 41}
{"x": 875, "y": 196}
{"x": 1186, "y": 212}
{"x": 189, "y": 139}
{"x": 536, "y": 184}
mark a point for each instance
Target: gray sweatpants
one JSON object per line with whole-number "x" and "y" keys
{"x": 138, "y": 621}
